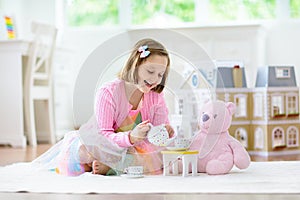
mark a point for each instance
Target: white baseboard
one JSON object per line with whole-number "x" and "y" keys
{"x": 277, "y": 153}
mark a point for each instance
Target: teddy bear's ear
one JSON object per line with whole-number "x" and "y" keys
{"x": 231, "y": 107}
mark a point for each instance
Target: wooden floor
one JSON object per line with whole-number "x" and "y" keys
{"x": 9, "y": 155}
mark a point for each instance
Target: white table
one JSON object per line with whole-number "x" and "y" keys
{"x": 170, "y": 159}
{"x": 11, "y": 92}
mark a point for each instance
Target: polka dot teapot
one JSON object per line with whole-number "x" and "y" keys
{"x": 159, "y": 136}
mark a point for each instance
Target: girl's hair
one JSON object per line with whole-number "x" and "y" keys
{"x": 130, "y": 70}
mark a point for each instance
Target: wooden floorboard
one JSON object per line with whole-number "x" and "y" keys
{"x": 11, "y": 155}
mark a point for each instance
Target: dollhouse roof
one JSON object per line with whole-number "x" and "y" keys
{"x": 225, "y": 77}
{"x": 276, "y": 76}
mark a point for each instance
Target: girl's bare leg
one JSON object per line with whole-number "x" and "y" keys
{"x": 96, "y": 167}
{"x": 99, "y": 168}
{"x": 91, "y": 164}
{"x": 87, "y": 167}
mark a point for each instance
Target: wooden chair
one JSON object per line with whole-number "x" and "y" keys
{"x": 38, "y": 85}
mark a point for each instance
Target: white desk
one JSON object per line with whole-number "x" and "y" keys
{"x": 11, "y": 92}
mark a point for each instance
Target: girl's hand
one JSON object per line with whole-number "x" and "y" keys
{"x": 170, "y": 130}
{"x": 139, "y": 133}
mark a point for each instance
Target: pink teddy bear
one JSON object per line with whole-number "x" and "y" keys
{"x": 218, "y": 151}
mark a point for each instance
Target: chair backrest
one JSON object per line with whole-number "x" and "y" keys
{"x": 40, "y": 55}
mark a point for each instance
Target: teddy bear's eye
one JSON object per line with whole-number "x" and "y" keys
{"x": 215, "y": 116}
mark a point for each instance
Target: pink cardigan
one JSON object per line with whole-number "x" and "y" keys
{"x": 112, "y": 107}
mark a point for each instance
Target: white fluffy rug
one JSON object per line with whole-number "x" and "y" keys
{"x": 259, "y": 178}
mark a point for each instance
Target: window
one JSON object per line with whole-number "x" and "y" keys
{"x": 221, "y": 10}
{"x": 292, "y": 137}
{"x": 292, "y": 104}
{"x": 241, "y": 136}
{"x": 258, "y": 105}
{"x": 294, "y": 8}
{"x": 277, "y": 105}
{"x": 241, "y": 105}
{"x": 92, "y": 12}
{"x": 180, "y": 106}
{"x": 176, "y": 122}
{"x": 278, "y": 137}
{"x": 159, "y": 13}
{"x": 210, "y": 74}
{"x": 282, "y": 72}
{"x": 259, "y": 138}
{"x": 163, "y": 12}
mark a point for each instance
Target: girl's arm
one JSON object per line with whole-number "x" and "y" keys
{"x": 105, "y": 109}
{"x": 160, "y": 114}
{"x": 159, "y": 111}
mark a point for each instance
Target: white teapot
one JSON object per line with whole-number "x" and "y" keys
{"x": 159, "y": 136}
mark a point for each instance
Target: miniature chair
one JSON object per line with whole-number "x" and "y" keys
{"x": 38, "y": 80}
{"x": 171, "y": 158}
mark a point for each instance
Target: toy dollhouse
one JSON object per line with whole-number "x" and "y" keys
{"x": 275, "y": 118}
{"x": 231, "y": 86}
{"x": 267, "y": 120}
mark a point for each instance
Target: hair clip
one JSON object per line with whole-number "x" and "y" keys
{"x": 143, "y": 51}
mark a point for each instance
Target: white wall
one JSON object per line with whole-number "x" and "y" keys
{"x": 283, "y": 44}
{"x": 25, "y": 11}
{"x": 83, "y": 42}
{"x": 274, "y": 43}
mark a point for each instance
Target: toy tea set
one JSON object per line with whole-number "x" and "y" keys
{"x": 159, "y": 136}
{"x": 133, "y": 172}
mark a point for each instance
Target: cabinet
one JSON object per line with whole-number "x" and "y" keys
{"x": 63, "y": 91}
{"x": 11, "y": 89}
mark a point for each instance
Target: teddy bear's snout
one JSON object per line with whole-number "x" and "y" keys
{"x": 205, "y": 117}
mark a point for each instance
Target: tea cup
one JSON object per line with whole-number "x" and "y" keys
{"x": 134, "y": 170}
{"x": 182, "y": 143}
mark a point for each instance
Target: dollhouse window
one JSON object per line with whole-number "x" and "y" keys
{"x": 241, "y": 136}
{"x": 258, "y": 105}
{"x": 292, "y": 137}
{"x": 210, "y": 74}
{"x": 282, "y": 72}
{"x": 278, "y": 137}
{"x": 292, "y": 104}
{"x": 259, "y": 138}
{"x": 180, "y": 106}
{"x": 277, "y": 105}
{"x": 176, "y": 122}
{"x": 241, "y": 105}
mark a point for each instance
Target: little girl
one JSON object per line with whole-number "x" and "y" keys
{"x": 116, "y": 136}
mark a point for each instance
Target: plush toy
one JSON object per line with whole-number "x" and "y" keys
{"x": 218, "y": 151}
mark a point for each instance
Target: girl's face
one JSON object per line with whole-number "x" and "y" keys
{"x": 151, "y": 72}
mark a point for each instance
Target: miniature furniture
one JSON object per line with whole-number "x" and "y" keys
{"x": 38, "y": 84}
{"x": 170, "y": 159}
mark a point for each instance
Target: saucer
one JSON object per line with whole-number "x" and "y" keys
{"x": 176, "y": 148}
{"x": 132, "y": 176}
